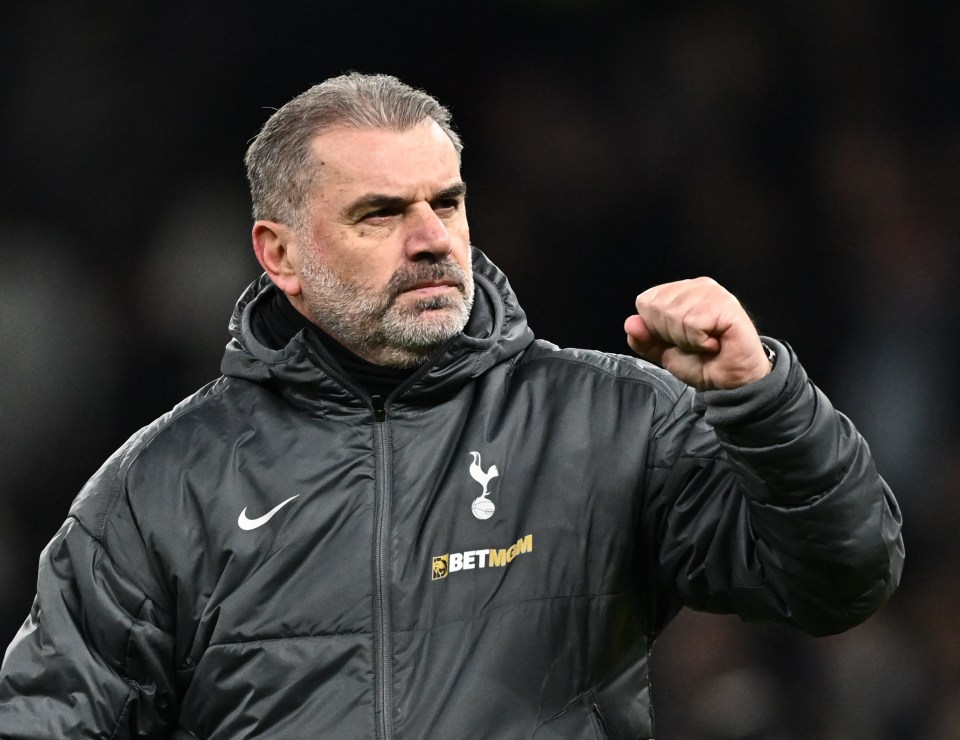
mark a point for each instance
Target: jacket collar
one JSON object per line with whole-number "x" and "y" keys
{"x": 305, "y": 373}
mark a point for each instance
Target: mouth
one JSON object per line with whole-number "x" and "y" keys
{"x": 432, "y": 287}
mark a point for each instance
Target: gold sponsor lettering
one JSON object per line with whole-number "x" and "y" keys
{"x": 444, "y": 565}
{"x": 497, "y": 558}
{"x": 525, "y": 544}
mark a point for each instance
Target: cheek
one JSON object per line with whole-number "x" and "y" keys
{"x": 461, "y": 243}
{"x": 368, "y": 272}
{"x": 344, "y": 257}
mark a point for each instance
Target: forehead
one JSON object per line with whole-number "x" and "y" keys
{"x": 385, "y": 159}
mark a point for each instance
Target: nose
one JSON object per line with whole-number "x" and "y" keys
{"x": 427, "y": 233}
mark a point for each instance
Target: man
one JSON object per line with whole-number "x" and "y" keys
{"x": 399, "y": 515}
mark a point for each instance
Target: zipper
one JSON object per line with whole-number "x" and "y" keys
{"x": 383, "y": 461}
{"x": 379, "y": 410}
{"x": 383, "y": 649}
{"x": 599, "y": 726}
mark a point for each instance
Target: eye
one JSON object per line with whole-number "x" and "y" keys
{"x": 380, "y": 214}
{"x": 446, "y": 205}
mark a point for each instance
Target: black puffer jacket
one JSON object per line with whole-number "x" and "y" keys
{"x": 488, "y": 554}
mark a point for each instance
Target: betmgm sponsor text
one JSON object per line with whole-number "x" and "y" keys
{"x": 444, "y": 565}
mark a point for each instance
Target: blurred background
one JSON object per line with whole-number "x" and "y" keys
{"x": 805, "y": 154}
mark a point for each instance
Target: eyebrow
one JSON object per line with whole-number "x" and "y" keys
{"x": 376, "y": 201}
{"x": 459, "y": 190}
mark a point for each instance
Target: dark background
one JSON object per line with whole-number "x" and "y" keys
{"x": 805, "y": 154}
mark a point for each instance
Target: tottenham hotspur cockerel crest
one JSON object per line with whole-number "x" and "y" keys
{"x": 482, "y": 506}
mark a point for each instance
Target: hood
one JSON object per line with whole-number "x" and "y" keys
{"x": 306, "y": 373}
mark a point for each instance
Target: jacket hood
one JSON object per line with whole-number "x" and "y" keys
{"x": 307, "y": 374}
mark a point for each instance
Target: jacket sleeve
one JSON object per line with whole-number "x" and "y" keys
{"x": 767, "y": 504}
{"x": 93, "y": 659}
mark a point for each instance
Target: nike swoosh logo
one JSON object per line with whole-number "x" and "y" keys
{"x": 248, "y": 524}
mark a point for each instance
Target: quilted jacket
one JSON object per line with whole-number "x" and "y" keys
{"x": 488, "y": 552}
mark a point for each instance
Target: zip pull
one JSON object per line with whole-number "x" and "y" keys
{"x": 379, "y": 411}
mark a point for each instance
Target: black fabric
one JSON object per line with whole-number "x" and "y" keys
{"x": 280, "y": 322}
{"x": 490, "y": 555}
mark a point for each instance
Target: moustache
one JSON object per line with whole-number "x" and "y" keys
{"x": 410, "y": 276}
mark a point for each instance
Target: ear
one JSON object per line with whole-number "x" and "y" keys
{"x": 276, "y": 248}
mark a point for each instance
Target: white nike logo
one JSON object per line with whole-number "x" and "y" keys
{"x": 248, "y": 524}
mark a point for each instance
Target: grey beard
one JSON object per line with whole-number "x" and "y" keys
{"x": 374, "y": 326}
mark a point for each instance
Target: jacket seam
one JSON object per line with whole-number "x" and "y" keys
{"x": 127, "y": 650}
{"x": 139, "y": 445}
{"x": 648, "y": 380}
{"x": 135, "y": 447}
{"x": 486, "y": 612}
{"x": 334, "y": 635}
{"x": 283, "y": 638}
{"x": 672, "y": 414}
{"x": 190, "y": 407}
{"x": 145, "y": 596}
{"x": 123, "y": 711}
{"x": 702, "y": 458}
{"x": 124, "y": 672}
{"x": 101, "y": 532}
{"x": 132, "y": 453}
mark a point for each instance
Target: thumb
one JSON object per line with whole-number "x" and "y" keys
{"x": 639, "y": 337}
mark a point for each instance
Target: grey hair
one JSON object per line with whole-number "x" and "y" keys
{"x": 279, "y": 159}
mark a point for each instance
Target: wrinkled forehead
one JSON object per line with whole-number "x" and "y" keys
{"x": 385, "y": 159}
{"x": 425, "y": 144}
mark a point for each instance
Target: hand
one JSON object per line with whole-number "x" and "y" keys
{"x": 699, "y": 332}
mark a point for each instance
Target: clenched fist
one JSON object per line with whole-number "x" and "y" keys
{"x": 699, "y": 332}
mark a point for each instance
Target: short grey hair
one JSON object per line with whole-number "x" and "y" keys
{"x": 279, "y": 161}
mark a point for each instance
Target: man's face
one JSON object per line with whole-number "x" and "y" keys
{"x": 385, "y": 264}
